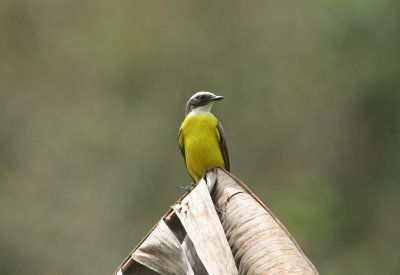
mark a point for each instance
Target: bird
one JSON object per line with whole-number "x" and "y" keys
{"x": 201, "y": 137}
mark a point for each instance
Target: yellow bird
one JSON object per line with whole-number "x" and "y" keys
{"x": 201, "y": 137}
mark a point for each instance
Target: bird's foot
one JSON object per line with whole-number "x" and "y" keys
{"x": 189, "y": 188}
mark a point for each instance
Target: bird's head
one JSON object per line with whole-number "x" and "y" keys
{"x": 201, "y": 102}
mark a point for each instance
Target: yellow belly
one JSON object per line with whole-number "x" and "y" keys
{"x": 202, "y": 150}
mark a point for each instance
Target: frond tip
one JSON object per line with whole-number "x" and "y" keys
{"x": 228, "y": 232}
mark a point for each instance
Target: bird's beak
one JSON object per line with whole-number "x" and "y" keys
{"x": 217, "y": 98}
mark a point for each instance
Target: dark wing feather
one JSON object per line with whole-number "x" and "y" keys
{"x": 181, "y": 144}
{"x": 223, "y": 146}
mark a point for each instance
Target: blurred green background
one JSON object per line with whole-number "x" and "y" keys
{"x": 93, "y": 92}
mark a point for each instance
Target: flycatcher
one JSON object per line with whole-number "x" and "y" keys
{"x": 201, "y": 137}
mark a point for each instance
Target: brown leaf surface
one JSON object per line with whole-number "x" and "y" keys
{"x": 229, "y": 232}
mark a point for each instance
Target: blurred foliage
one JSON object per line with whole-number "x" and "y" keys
{"x": 93, "y": 93}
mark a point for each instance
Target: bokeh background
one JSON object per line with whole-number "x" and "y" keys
{"x": 93, "y": 92}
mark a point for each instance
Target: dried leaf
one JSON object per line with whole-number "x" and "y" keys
{"x": 243, "y": 236}
{"x": 162, "y": 252}
{"x": 198, "y": 216}
{"x": 259, "y": 242}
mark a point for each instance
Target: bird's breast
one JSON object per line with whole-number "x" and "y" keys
{"x": 199, "y": 128}
{"x": 202, "y": 150}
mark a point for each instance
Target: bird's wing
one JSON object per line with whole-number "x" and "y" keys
{"x": 223, "y": 146}
{"x": 181, "y": 144}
